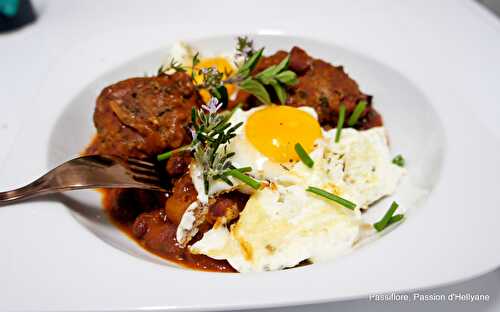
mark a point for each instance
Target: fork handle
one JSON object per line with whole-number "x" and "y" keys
{"x": 37, "y": 187}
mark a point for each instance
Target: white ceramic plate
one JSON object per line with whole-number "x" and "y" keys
{"x": 451, "y": 232}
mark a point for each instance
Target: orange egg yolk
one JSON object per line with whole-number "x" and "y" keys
{"x": 222, "y": 65}
{"x": 275, "y": 130}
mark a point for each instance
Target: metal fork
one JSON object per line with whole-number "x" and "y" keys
{"x": 96, "y": 171}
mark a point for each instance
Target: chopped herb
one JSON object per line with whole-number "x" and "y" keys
{"x": 399, "y": 160}
{"x": 356, "y": 113}
{"x": 339, "y": 200}
{"x": 243, "y": 178}
{"x": 244, "y": 169}
{"x": 340, "y": 122}
{"x": 304, "y": 156}
{"x": 388, "y": 218}
{"x": 395, "y": 218}
{"x": 169, "y": 154}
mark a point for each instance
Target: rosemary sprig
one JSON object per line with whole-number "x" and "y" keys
{"x": 277, "y": 77}
{"x": 211, "y": 133}
{"x": 244, "y": 48}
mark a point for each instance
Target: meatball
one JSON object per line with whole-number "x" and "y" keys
{"x": 142, "y": 117}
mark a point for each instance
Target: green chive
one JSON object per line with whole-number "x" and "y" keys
{"x": 333, "y": 197}
{"x": 244, "y": 178}
{"x": 356, "y": 113}
{"x": 386, "y": 219}
{"x": 395, "y": 218}
{"x": 399, "y": 160}
{"x": 165, "y": 155}
{"x": 304, "y": 156}
{"x": 244, "y": 169}
{"x": 169, "y": 154}
{"x": 340, "y": 122}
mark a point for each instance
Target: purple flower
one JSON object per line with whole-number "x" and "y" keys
{"x": 212, "y": 106}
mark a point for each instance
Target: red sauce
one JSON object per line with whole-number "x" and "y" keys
{"x": 153, "y": 231}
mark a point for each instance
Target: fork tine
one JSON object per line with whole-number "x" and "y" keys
{"x": 142, "y": 170}
{"x": 140, "y": 163}
{"x": 146, "y": 179}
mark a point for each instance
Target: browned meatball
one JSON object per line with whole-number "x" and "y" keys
{"x": 142, "y": 117}
{"x": 299, "y": 61}
{"x": 324, "y": 87}
{"x": 183, "y": 194}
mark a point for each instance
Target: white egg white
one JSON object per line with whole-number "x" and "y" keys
{"x": 280, "y": 227}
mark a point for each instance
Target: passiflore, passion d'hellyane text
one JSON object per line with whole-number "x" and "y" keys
{"x": 430, "y": 297}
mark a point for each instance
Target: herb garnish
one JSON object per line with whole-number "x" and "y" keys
{"x": 174, "y": 65}
{"x": 303, "y": 155}
{"x": 339, "y": 200}
{"x": 388, "y": 218}
{"x": 358, "y": 110}
{"x": 340, "y": 122}
{"x": 238, "y": 174}
{"x": 211, "y": 132}
{"x": 399, "y": 160}
{"x": 276, "y": 77}
{"x": 244, "y": 48}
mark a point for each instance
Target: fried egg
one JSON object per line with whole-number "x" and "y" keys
{"x": 283, "y": 225}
